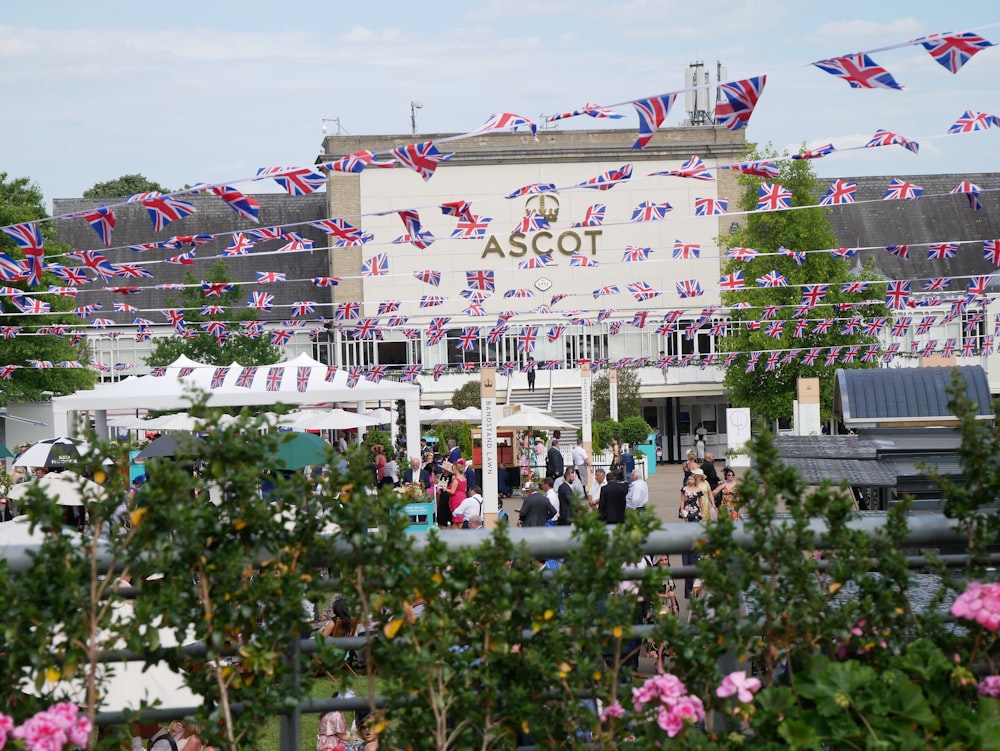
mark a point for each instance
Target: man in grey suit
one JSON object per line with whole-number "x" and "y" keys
{"x": 535, "y": 510}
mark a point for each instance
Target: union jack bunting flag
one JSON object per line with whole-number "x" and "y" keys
{"x": 791, "y": 356}
{"x": 853, "y": 287}
{"x": 296, "y": 181}
{"x": 496, "y": 334}
{"x": 972, "y": 191}
{"x": 888, "y": 138}
{"x": 471, "y": 226}
{"x": 593, "y": 217}
{"x": 243, "y": 205}
{"x": 325, "y": 281}
{"x": 29, "y": 239}
{"x": 769, "y": 312}
{"x": 890, "y": 353}
{"x": 302, "y": 378}
{"x": 832, "y": 354}
{"x": 214, "y": 327}
{"x": 52, "y": 290}
{"x": 693, "y": 168}
{"x": 505, "y": 121}
{"x": 765, "y": 168}
{"x": 518, "y": 293}
{"x": 377, "y": 265}
{"x": 800, "y": 329}
{"x": 938, "y": 284}
{"x": 689, "y": 288}
{"x": 642, "y": 291}
{"x": 742, "y": 254}
{"x": 526, "y": 339}
{"x": 968, "y": 347}
{"x": 280, "y": 337}
{"x": 860, "y": 71}
{"x": 533, "y": 188}
{"x": 481, "y": 279}
{"x": 614, "y": 327}
{"x": 874, "y": 327}
{"x": 816, "y": 153}
{"x": 772, "y": 360}
{"x": 460, "y": 208}
{"x": 730, "y": 359}
{"x": 429, "y": 276}
{"x": 810, "y": 357}
{"x": 331, "y": 373}
{"x": 438, "y": 323}
{"x": 710, "y": 206}
{"x": 925, "y": 325}
{"x": 68, "y": 274}
{"x": 296, "y": 245}
{"x": 414, "y": 233}
{"x": 948, "y": 348}
{"x": 897, "y": 294}
{"x": 376, "y": 374}
{"x": 121, "y": 307}
{"x": 838, "y": 193}
{"x": 903, "y": 251}
{"x": 410, "y": 373}
{"x": 852, "y": 327}
{"x": 977, "y": 287}
{"x": 271, "y": 277}
{"x": 102, "y": 220}
{"x": 244, "y": 379}
{"x": 772, "y": 278}
{"x": 218, "y": 377}
{"x": 771, "y": 197}
{"x": 732, "y": 281}
{"x": 851, "y": 353}
{"x": 158, "y": 372}
{"x": 813, "y": 294}
{"x": 338, "y": 229}
{"x": 953, "y": 50}
{"x": 652, "y": 112}
{"x": 354, "y": 375}
{"x": 388, "y": 306}
{"x": 174, "y": 317}
{"x": 537, "y": 262}
{"x": 422, "y": 158}
{"x": 843, "y": 252}
{"x": 647, "y": 211}
{"x": 608, "y": 289}
{"x": 475, "y": 310}
{"x": 775, "y": 329}
{"x": 532, "y": 222}
{"x": 901, "y": 326}
{"x": 686, "y": 251}
{"x": 555, "y": 332}
{"x": 132, "y": 271}
{"x": 991, "y": 251}
{"x": 303, "y": 308}
{"x": 468, "y": 338}
{"x": 609, "y": 179}
{"x": 365, "y": 328}
{"x": 397, "y": 321}
{"x": 741, "y": 98}
{"x": 635, "y": 254}
{"x": 475, "y": 295}
{"x": 164, "y": 209}
{"x": 260, "y": 300}
{"x": 752, "y": 362}
{"x": 592, "y": 110}
{"x": 928, "y": 349}
{"x": 356, "y": 162}
{"x": 901, "y": 190}
{"x": 942, "y": 250}
{"x": 439, "y": 370}
{"x": 582, "y": 261}
{"x": 240, "y": 245}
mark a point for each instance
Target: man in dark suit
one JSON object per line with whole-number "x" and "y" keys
{"x": 416, "y": 474}
{"x": 611, "y": 508}
{"x": 708, "y": 467}
{"x": 535, "y": 510}
{"x": 554, "y": 461}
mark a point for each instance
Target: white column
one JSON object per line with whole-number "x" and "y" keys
{"x": 412, "y": 407}
{"x": 361, "y": 406}
{"x": 613, "y": 393}
{"x": 586, "y": 407}
{"x": 489, "y": 470}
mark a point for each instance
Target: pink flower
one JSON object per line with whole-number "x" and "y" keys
{"x": 79, "y": 732}
{"x": 990, "y": 686}
{"x": 615, "y": 710}
{"x": 689, "y": 708}
{"x": 6, "y": 727}
{"x": 670, "y": 722}
{"x": 43, "y": 732}
{"x": 738, "y": 683}
{"x": 662, "y": 687}
{"x": 980, "y": 603}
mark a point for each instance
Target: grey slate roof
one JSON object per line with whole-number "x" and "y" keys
{"x": 855, "y": 472}
{"x": 867, "y": 396}
{"x": 828, "y": 446}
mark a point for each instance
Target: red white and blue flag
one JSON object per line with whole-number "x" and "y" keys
{"x": 609, "y": 179}
{"x": 296, "y": 181}
{"x": 538, "y": 262}
{"x": 839, "y": 193}
{"x": 582, "y": 261}
{"x": 902, "y": 190}
{"x": 532, "y": 189}
{"x": 652, "y": 112}
{"x": 532, "y": 222}
{"x": 642, "y": 291}
{"x": 741, "y": 98}
{"x": 686, "y": 251}
{"x": 274, "y": 376}
{"x": 937, "y": 284}
{"x": 689, "y": 288}
{"x": 972, "y": 121}
{"x": 481, "y": 279}
{"x": 903, "y": 251}
{"x": 860, "y": 71}
{"x": 742, "y": 254}
{"x": 342, "y": 231}
{"x": 415, "y": 235}
{"x": 813, "y": 294}
{"x": 526, "y": 339}
{"x": 240, "y": 245}
{"x": 163, "y": 210}
{"x": 471, "y": 227}
{"x": 594, "y": 216}
{"x": 377, "y": 265}
{"x": 694, "y": 168}
{"x": 991, "y": 251}
{"x": 765, "y": 168}
{"x": 410, "y": 373}
{"x": 647, "y": 211}
{"x": 216, "y": 289}
{"x": 429, "y": 276}
{"x": 592, "y": 110}
{"x": 608, "y": 289}
{"x": 325, "y": 281}
{"x": 771, "y": 197}
{"x": 818, "y": 152}
{"x": 635, "y": 254}
{"x": 243, "y": 205}
{"x": 356, "y": 162}
{"x": 244, "y": 379}
{"x": 366, "y": 328}
{"x": 422, "y": 158}
{"x": 303, "y": 308}
{"x": 519, "y": 293}
{"x": 260, "y": 300}
{"x": 772, "y": 278}
{"x": 271, "y": 277}
{"x": 888, "y": 138}
{"x": 732, "y": 281}
{"x": 468, "y": 338}
{"x": 897, "y": 294}
{"x": 953, "y": 50}
{"x": 103, "y": 222}
{"x": 710, "y": 206}
{"x": 942, "y": 251}
{"x": 431, "y": 301}
{"x": 29, "y": 239}
{"x": 388, "y": 306}
{"x": 354, "y": 375}
{"x": 555, "y": 332}
{"x": 507, "y": 121}
{"x": 971, "y": 190}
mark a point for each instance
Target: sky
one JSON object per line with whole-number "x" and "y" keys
{"x": 186, "y": 92}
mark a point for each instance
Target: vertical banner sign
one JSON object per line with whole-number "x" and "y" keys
{"x": 613, "y": 393}
{"x": 489, "y": 470}
{"x": 586, "y": 407}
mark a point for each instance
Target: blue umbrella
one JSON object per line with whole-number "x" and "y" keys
{"x": 301, "y": 450}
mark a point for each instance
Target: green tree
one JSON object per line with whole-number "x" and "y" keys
{"x": 467, "y": 395}
{"x": 21, "y": 201}
{"x": 770, "y": 393}
{"x": 628, "y": 395}
{"x": 205, "y": 346}
{"x": 123, "y": 186}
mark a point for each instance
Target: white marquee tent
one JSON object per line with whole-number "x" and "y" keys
{"x": 299, "y": 381}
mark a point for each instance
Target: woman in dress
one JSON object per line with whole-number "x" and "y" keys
{"x": 695, "y": 506}
{"x": 690, "y": 465}
{"x": 617, "y": 463}
{"x": 333, "y": 732}
{"x": 730, "y": 497}
{"x": 457, "y": 492}
{"x": 538, "y": 459}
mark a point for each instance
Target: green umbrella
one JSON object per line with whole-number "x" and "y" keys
{"x": 300, "y": 450}
{"x": 5, "y": 452}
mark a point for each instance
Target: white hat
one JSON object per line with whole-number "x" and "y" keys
{"x": 698, "y": 471}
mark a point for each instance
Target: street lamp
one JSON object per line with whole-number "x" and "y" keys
{"x": 414, "y": 106}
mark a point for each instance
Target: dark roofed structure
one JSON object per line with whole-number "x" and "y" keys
{"x": 906, "y": 397}
{"x": 839, "y": 459}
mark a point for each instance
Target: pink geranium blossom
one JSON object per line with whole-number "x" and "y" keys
{"x": 990, "y": 686}
{"x": 738, "y": 683}
{"x": 979, "y": 603}
{"x": 614, "y": 710}
{"x": 659, "y": 687}
{"x": 669, "y": 721}
{"x": 6, "y": 727}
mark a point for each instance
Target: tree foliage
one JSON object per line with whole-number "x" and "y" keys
{"x": 467, "y": 395}
{"x": 121, "y": 187}
{"x": 21, "y": 201}
{"x": 204, "y": 346}
{"x": 770, "y": 393}
{"x": 629, "y": 397}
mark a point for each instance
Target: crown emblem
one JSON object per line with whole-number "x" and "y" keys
{"x": 547, "y": 206}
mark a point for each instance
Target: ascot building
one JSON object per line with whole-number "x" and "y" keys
{"x": 594, "y": 281}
